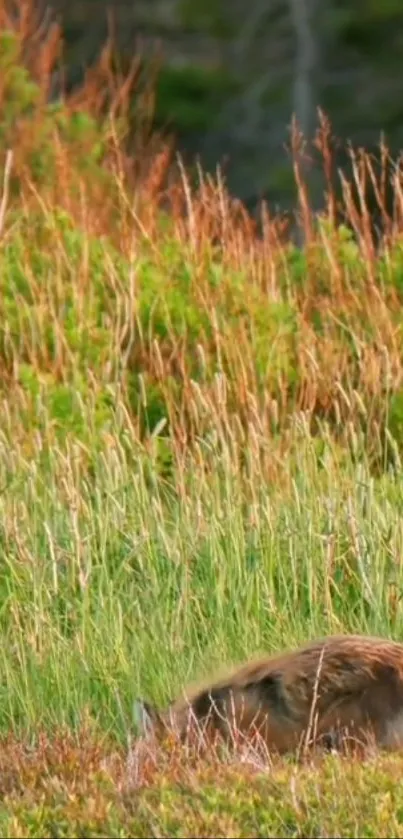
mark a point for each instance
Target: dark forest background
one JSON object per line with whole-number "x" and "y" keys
{"x": 231, "y": 74}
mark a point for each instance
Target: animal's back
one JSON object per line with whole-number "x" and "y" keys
{"x": 346, "y": 683}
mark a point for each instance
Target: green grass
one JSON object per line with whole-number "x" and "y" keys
{"x": 200, "y": 459}
{"x": 116, "y": 583}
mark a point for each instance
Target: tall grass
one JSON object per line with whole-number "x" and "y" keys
{"x": 200, "y": 426}
{"x": 201, "y": 434}
{"x": 116, "y": 583}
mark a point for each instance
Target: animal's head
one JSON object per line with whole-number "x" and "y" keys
{"x": 184, "y": 720}
{"x": 149, "y": 721}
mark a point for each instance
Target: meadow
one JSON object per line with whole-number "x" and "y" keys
{"x": 201, "y": 433}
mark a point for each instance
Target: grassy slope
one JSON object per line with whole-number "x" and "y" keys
{"x": 200, "y": 454}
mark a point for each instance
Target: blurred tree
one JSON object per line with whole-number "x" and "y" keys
{"x": 233, "y": 73}
{"x": 304, "y": 15}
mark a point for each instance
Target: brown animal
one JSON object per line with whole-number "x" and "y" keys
{"x": 338, "y": 687}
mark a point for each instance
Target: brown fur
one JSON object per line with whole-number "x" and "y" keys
{"x": 341, "y": 686}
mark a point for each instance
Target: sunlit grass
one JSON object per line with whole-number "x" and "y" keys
{"x": 201, "y": 432}
{"x": 117, "y": 582}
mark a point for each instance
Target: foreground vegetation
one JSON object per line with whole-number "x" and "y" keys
{"x": 201, "y": 440}
{"x": 67, "y": 787}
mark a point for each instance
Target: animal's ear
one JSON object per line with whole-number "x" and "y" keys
{"x": 146, "y": 717}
